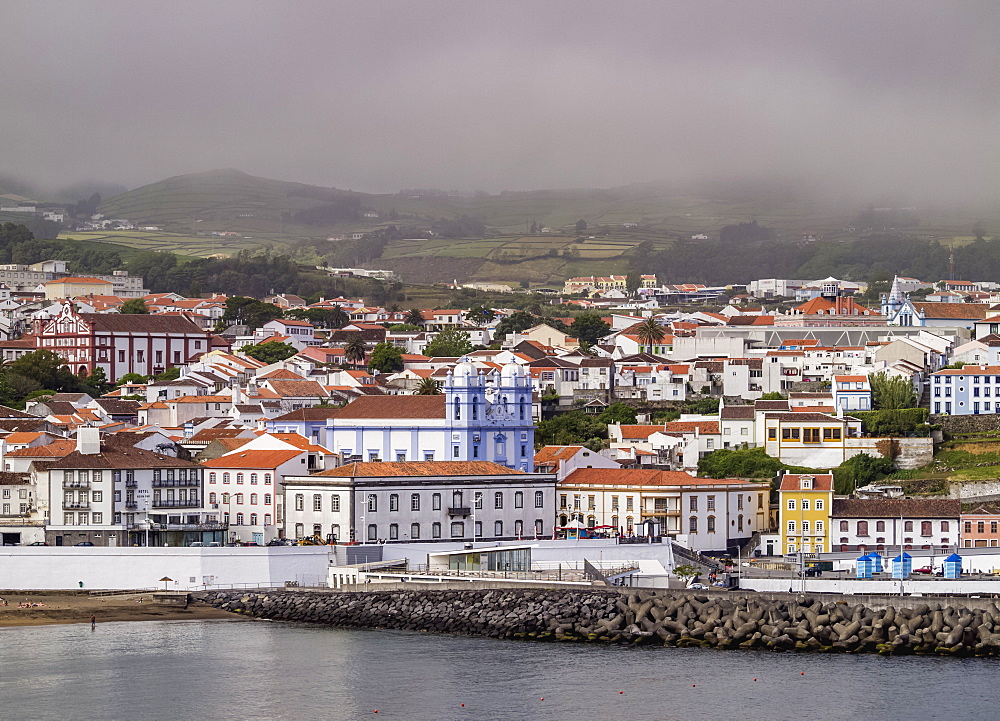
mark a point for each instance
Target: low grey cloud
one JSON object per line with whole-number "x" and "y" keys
{"x": 889, "y": 98}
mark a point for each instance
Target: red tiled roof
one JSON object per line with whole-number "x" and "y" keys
{"x": 419, "y": 468}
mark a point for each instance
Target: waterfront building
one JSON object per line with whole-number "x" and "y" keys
{"x": 805, "y": 503}
{"x": 703, "y": 514}
{"x": 885, "y": 524}
{"x": 981, "y": 528}
{"x": 114, "y": 494}
{"x": 422, "y": 501}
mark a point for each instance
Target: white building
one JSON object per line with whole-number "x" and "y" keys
{"x": 421, "y": 501}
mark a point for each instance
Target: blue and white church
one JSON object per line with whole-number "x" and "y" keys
{"x": 898, "y": 309}
{"x": 479, "y": 416}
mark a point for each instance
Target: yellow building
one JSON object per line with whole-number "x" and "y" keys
{"x": 74, "y": 286}
{"x": 806, "y": 502}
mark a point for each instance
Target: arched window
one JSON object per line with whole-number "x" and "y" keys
{"x": 239, "y": 498}
{"x": 253, "y": 519}
{"x": 520, "y": 410}
{"x": 458, "y": 410}
{"x": 791, "y": 525}
{"x": 225, "y": 478}
{"x": 267, "y": 499}
{"x": 414, "y": 531}
{"x": 267, "y": 519}
{"x": 844, "y": 527}
{"x": 253, "y": 478}
{"x": 253, "y": 499}
{"x": 239, "y": 519}
{"x": 819, "y": 526}
{"x": 879, "y": 526}
{"x": 212, "y": 497}
{"x": 267, "y": 478}
{"x": 711, "y": 524}
{"x": 239, "y": 478}
{"x": 591, "y": 521}
{"x": 211, "y": 477}
{"x": 225, "y": 498}
{"x": 862, "y": 528}
{"x": 614, "y": 522}
{"x": 475, "y": 409}
{"x": 628, "y": 524}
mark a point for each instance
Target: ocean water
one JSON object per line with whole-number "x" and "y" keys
{"x": 266, "y": 670}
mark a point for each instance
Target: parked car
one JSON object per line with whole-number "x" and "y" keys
{"x": 83, "y": 543}
{"x": 38, "y": 543}
{"x": 698, "y": 586}
{"x": 927, "y": 570}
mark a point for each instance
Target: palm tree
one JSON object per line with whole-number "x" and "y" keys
{"x": 355, "y": 349}
{"x": 650, "y": 333}
{"x": 414, "y": 317}
{"x": 338, "y": 318}
{"x": 429, "y": 387}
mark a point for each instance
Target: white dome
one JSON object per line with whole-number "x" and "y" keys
{"x": 510, "y": 371}
{"x": 464, "y": 369}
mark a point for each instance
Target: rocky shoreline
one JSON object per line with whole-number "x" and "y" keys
{"x": 641, "y": 617}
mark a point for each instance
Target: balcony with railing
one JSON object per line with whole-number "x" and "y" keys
{"x": 460, "y": 511}
{"x": 131, "y": 483}
{"x": 176, "y": 503}
{"x": 76, "y": 484}
{"x": 176, "y": 483}
{"x": 76, "y": 505}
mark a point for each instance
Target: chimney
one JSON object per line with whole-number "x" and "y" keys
{"x": 88, "y": 441}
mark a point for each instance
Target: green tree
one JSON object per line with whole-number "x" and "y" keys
{"x": 269, "y": 352}
{"x": 170, "y": 374}
{"x": 650, "y": 333}
{"x": 414, "y": 317}
{"x": 429, "y": 387}
{"x": 403, "y": 327}
{"x": 449, "y": 343}
{"x": 47, "y": 370}
{"x": 618, "y": 413}
{"x": 574, "y": 427}
{"x": 98, "y": 380}
{"x": 515, "y": 323}
{"x": 131, "y": 378}
{"x": 589, "y": 327}
{"x": 891, "y": 392}
{"x": 480, "y": 315}
{"x": 134, "y": 306}
{"x": 685, "y": 572}
{"x": 249, "y": 312}
{"x": 386, "y": 358}
{"x": 632, "y": 282}
{"x": 581, "y": 226}
{"x": 355, "y": 349}
{"x": 772, "y": 396}
{"x": 860, "y": 470}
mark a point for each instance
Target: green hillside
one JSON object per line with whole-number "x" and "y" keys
{"x": 301, "y": 219}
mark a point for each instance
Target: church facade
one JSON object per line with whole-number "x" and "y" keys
{"x": 477, "y": 417}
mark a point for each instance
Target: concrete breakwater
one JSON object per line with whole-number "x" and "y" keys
{"x": 642, "y": 617}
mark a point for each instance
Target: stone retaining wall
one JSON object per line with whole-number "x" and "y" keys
{"x": 967, "y": 424}
{"x": 636, "y": 617}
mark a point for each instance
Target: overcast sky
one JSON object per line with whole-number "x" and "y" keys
{"x": 875, "y": 96}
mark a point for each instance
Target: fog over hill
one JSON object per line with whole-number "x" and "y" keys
{"x": 859, "y": 100}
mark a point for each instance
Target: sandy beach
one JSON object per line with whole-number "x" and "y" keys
{"x": 69, "y": 607}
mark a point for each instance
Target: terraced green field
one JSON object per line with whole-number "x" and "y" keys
{"x": 189, "y": 245}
